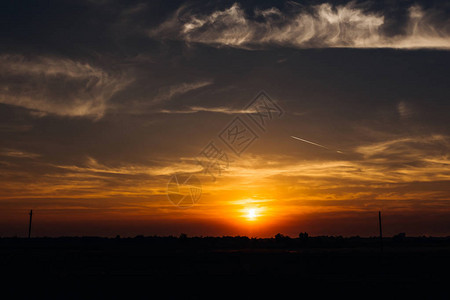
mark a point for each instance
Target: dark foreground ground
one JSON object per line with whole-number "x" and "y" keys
{"x": 224, "y": 268}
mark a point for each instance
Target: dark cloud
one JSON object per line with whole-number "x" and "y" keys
{"x": 319, "y": 25}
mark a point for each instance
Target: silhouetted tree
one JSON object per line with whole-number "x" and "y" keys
{"x": 303, "y": 235}
{"x": 303, "y": 238}
{"x": 399, "y": 237}
{"x": 282, "y": 240}
{"x": 279, "y": 237}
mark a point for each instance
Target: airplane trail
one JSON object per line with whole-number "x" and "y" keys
{"x": 315, "y": 144}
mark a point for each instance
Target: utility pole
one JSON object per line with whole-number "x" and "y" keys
{"x": 381, "y": 231}
{"x": 29, "y": 227}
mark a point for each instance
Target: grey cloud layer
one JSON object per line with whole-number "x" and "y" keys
{"x": 319, "y": 26}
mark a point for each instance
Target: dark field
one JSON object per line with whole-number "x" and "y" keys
{"x": 225, "y": 268}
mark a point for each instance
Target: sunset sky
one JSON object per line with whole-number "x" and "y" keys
{"x": 102, "y": 102}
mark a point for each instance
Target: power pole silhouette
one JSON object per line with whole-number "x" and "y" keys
{"x": 29, "y": 227}
{"x": 381, "y": 231}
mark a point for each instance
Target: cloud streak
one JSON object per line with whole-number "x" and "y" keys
{"x": 318, "y": 26}
{"x": 58, "y": 86}
{"x": 168, "y": 93}
{"x": 219, "y": 109}
{"x": 18, "y": 153}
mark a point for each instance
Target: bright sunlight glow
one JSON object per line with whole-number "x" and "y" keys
{"x": 251, "y": 215}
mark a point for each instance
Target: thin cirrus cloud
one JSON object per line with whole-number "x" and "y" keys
{"x": 405, "y": 159}
{"x": 406, "y": 147}
{"x": 321, "y": 26}
{"x": 167, "y": 93}
{"x": 18, "y": 153}
{"x": 58, "y": 86}
{"x": 219, "y": 109}
{"x": 375, "y": 174}
{"x": 91, "y": 179}
{"x": 93, "y": 166}
{"x": 405, "y": 110}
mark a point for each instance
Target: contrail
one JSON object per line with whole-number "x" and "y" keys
{"x": 315, "y": 144}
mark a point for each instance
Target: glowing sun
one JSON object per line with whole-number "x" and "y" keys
{"x": 251, "y": 214}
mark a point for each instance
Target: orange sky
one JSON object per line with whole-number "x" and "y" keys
{"x": 321, "y": 197}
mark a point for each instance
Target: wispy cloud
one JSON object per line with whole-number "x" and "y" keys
{"x": 89, "y": 179}
{"x": 59, "y": 86}
{"x": 402, "y": 160}
{"x": 287, "y": 180}
{"x": 168, "y": 93}
{"x": 405, "y": 110}
{"x": 18, "y": 153}
{"x": 93, "y": 166}
{"x": 406, "y": 148}
{"x": 220, "y": 109}
{"x": 319, "y": 26}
